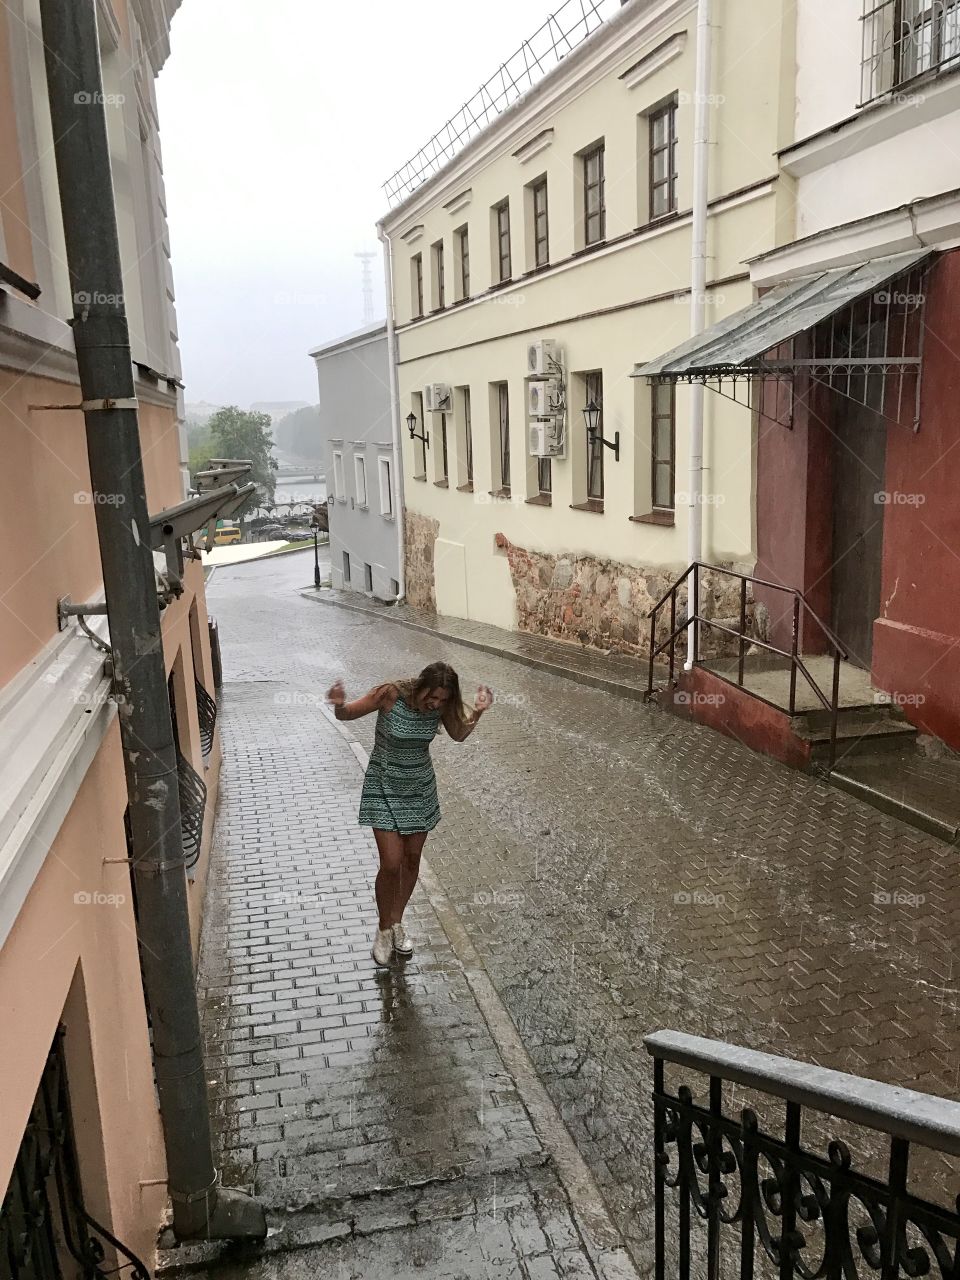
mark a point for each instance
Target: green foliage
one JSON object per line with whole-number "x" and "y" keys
{"x": 236, "y": 433}
{"x": 299, "y": 433}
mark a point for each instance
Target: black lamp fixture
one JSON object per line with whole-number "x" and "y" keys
{"x": 591, "y": 416}
{"x": 414, "y": 435}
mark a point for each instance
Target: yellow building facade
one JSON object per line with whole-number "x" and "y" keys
{"x": 555, "y": 248}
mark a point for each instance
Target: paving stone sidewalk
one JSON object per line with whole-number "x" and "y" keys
{"x": 371, "y": 1111}
{"x": 609, "y": 671}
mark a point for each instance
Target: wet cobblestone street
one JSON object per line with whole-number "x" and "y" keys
{"x": 617, "y": 870}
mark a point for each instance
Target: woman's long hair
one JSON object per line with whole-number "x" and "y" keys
{"x": 438, "y": 675}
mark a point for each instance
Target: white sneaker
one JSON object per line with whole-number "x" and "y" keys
{"x": 382, "y": 947}
{"x": 401, "y": 942}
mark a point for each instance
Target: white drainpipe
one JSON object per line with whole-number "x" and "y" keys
{"x": 394, "y": 408}
{"x": 698, "y": 284}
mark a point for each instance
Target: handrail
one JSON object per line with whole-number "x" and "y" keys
{"x": 694, "y": 619}
{"x": 778, "y": 1196}
{"x": 890, "y": 1109}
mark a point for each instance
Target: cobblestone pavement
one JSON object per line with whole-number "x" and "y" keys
{"x": 371, "y": 1111}
{"x": 620, "y": 870}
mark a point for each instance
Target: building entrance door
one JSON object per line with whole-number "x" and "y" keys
{"x": 859, "y": 459}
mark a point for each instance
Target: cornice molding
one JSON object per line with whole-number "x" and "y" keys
{"x": 653, "y": 61}
{"x": 459, "y": 201}
{"x": 54, "y": 715}
{"x": 539, "y": 142}
{"x": 609, "y": 47}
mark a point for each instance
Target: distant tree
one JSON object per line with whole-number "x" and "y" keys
{"x": 299, "y": 433}
{"x": 236, "y": 433}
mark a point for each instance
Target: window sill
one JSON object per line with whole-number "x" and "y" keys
{"x": 503, "y": 492}
{"x": 423, "y": 477}
{"x": 442, "y": 484}
{"x": 540, "y": 500}
{"x": 592, "y": 504}
{"x": 387, "y": 515}
{"x": 342, "y": 501}
{"x": 361, "y": 506}
{"x": 465, "y": 488}
{"x": 661, "y": 517}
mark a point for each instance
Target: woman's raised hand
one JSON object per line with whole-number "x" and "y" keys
{"x": 484, "y": 700}
{"x": 336, "y": 694}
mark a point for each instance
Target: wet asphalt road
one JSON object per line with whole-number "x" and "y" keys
{"x": 619, "y": 871}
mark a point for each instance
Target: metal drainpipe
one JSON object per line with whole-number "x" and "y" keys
{"x": 394, "y": 407}
{"x": 201, "y": 1207}
{"x": 698, "y": 285}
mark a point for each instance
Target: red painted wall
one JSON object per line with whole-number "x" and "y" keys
{"x": 917, "y": 636}
{"x": 794, "y": 513}
{"x": 703, "y": 697}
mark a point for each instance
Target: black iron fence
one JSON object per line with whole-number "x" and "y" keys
{"x": 45, "y": 1231}
{"x": 904, "y": 40}
{"x": 771, "y": 1205}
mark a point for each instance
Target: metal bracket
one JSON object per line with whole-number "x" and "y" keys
{"x": 66, "y": 610}
{"x": 89, "y": 406}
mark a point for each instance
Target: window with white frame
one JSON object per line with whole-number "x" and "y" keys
{"x": 904, "y": 39}
{"x": 339, "y": 489}
{"x": 360, "y": 478}
{"x": 386, "y": 489}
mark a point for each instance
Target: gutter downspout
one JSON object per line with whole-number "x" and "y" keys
{"x": 698, "y": 285}
{"x": 201, "y": 1207}
{"x": 394, "y": 407}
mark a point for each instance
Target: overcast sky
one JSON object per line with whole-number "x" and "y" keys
{"x": 279, "y": 122}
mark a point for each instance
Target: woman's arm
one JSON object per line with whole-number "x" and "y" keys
{"x": 375, "y": 700}
{"x": 459, "y": 732}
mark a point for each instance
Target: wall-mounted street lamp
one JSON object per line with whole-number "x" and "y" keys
{"x": 414, "y": 435}
{"x": 591, "y": 416}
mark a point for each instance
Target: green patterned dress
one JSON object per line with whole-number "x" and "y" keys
{"x": 400, "y": 787}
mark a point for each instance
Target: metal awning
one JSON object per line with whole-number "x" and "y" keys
{"x": 738, "y": 344}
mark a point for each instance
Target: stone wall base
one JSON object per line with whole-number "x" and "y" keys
{"x": 604, "y": 604}
{"x": 419, "y": 539}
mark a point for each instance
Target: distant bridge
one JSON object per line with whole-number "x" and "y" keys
{"x": 304, "y": 471}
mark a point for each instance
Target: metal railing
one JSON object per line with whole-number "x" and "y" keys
{"x": 46, "y": 1232}
{"x": 562, "y": 32}
{"x": 193, "y": 803}
{"x": 207, "y": 717}
{"x": 815, "y": 1217}
{"x": 905, "y": 40}
{"x": 801, "y": 609}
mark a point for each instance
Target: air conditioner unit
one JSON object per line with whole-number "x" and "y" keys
{"x": 545, "y": 440}
{"x": 437, "y": 398}
{"x": 544, "y": 399}
{"x": 543, "y": 358}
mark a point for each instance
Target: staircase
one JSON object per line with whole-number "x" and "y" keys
{"x": 815, "y": 712}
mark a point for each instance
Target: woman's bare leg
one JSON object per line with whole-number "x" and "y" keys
{"x": 410, "y": 869}
{"x": 389, "y": 883}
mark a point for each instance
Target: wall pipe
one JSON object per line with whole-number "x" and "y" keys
{"x": 395, "y": 407}
{"x": 698, "y": 286}
{"x": 202, "y": 1208}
